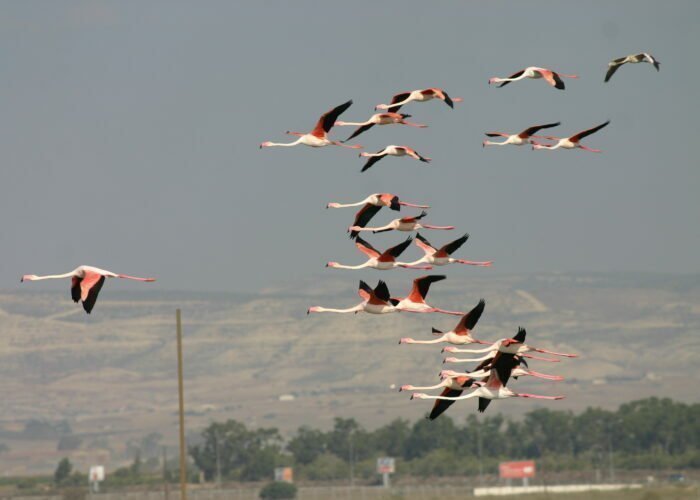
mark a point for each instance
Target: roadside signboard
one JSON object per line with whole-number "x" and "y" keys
{"x": 385, "y": 465}
{"x": 517, "y": 470}
{"x": 285, "y": 474}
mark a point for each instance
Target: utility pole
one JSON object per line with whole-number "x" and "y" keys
{"x": 611, "y": 466}
{"x": 181, "y": 394}
{"x": 352, "y": 461}
{"x": 479, "y": 450}
{"x": 218, "y": 461}
{"x": 166, "y": 486}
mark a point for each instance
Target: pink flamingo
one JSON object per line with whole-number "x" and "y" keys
{"x": 460, "y": 335}
{"x": 415, "y": 301}
{"x": 419, "y": 96}
{"x": 380, "y": 260}
{"x": 516, "y": 372}
{"x": 518, "y": 139}
{"x": 86, "y": 283}
{"x": 374, "y": 301}
{"x": 318, "y": 137}
{"x": 391, "y": 151}
{"x": 552, "y": 77}
{"x": 371, "y": 205}
{"x": 403, "y": 224}
{"x": 572, "y": 142}
{"x": 515, "y": 345}
{"x": 378, "y": 200}
{"x": 442, "y": 257}
{"x": 493, "y": 389}
{"x": 379, "y": 119}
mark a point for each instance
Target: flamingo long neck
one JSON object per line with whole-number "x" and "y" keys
{"x": 475, "y": 351}
{"x": 443, "y": 383}
{"x": 284, "y": 144}
{"x": 491, "y": 143}
{"x": 341, "y": 311}
{"x": 524, "y": 75}
{"x": 370, "y": 155}
{"x": 356, "y": 124}
{"x": 434, "y": 341}
{"x": 51, "y": 276}
{"x": 472, "y": 360}
{"x": 359, "y": 266}
{"x": 458, "y": 398}
{"x": 346, "y": 205}
{"x": 419, "y": 261}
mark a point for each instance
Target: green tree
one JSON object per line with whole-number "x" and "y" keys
{"x": 241, "y": 453}
{"x": 307, "y": 445}
{"x": 62, "y": 471}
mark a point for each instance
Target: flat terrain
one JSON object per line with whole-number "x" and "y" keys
{"x": 112, "y": 375}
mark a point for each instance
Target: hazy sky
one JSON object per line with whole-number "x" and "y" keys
{"x": 130, "y": 131}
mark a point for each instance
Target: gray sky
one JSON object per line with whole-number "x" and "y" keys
{"x": 130, "y": 131}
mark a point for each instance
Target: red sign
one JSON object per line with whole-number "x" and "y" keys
{"x": 516, "y": 470}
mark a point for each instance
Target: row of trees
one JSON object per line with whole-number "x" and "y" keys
{"x": 650, "y": 433}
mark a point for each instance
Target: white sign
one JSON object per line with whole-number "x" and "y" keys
{"x": 385, "y": 465}
{"x": 97, "y": 473}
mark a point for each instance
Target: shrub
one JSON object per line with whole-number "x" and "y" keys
{"x": 278, "y": 490}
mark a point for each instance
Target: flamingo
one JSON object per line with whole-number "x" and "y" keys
{"x": 371, "y": 205}
{"x": 634, "y": 58}
{"x": 415, "y": 301}
{"x": 380, "y": 260}
{"x": 391, "y": 151}
{"x": 318, "y": 137}
{"x": 502, "y": 363}
{"x": 442, "y": 257}
{"x": 379, "y": 119}
{"x": 495, "y": 387}
{"x": 378, "y": 200}
{"x": 518, "y": 139}
{"x": 460, "y": 335}
{"x": 552, "y": 77}
{"x": 403, "y": 224}
{"x": 374, "y": 301}
{"x": 516, "y": 372}
{"x": 573, "y": 141}
{"x": 420, "y": 96}
{"x": 515, "y": 345}
{"x": 86, "y": 283}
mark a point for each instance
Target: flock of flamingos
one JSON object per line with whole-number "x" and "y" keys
{"x": 502, "y": 359}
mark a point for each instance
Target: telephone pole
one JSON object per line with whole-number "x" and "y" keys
{"x": 181, "y": 394}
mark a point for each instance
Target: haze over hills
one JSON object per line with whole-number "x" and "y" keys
{"x": 111, "y": 375}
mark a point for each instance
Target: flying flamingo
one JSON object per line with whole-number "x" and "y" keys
{"x": 371, "y": 205}
{"x": 318, "y": 137}
{"x": 634, "y": 58}
{"x": 573, "y": 141}
{"x": 374, "y": 301}
{"x": 493, "y": 389}
{"x": 415, "y": 302}
{"x": 420, "y": 96}
{"x": 552, "y": 77}
{"x": 516, "y": 372}
{"x": 380, "y": 260}
{"x": 403, "y": 224}
{"x": 379, "y": 119}
{"x": 86, "y": 283}
{"x": 518, "y": 139}
{"x": 501, "y": 363}
{"x": 460, "y": 335}
{"x": 442, "y": 257}
{"x": 391, "y": 151}
{"x": 379, "y": 200}
{"x": 515, "y": 345}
